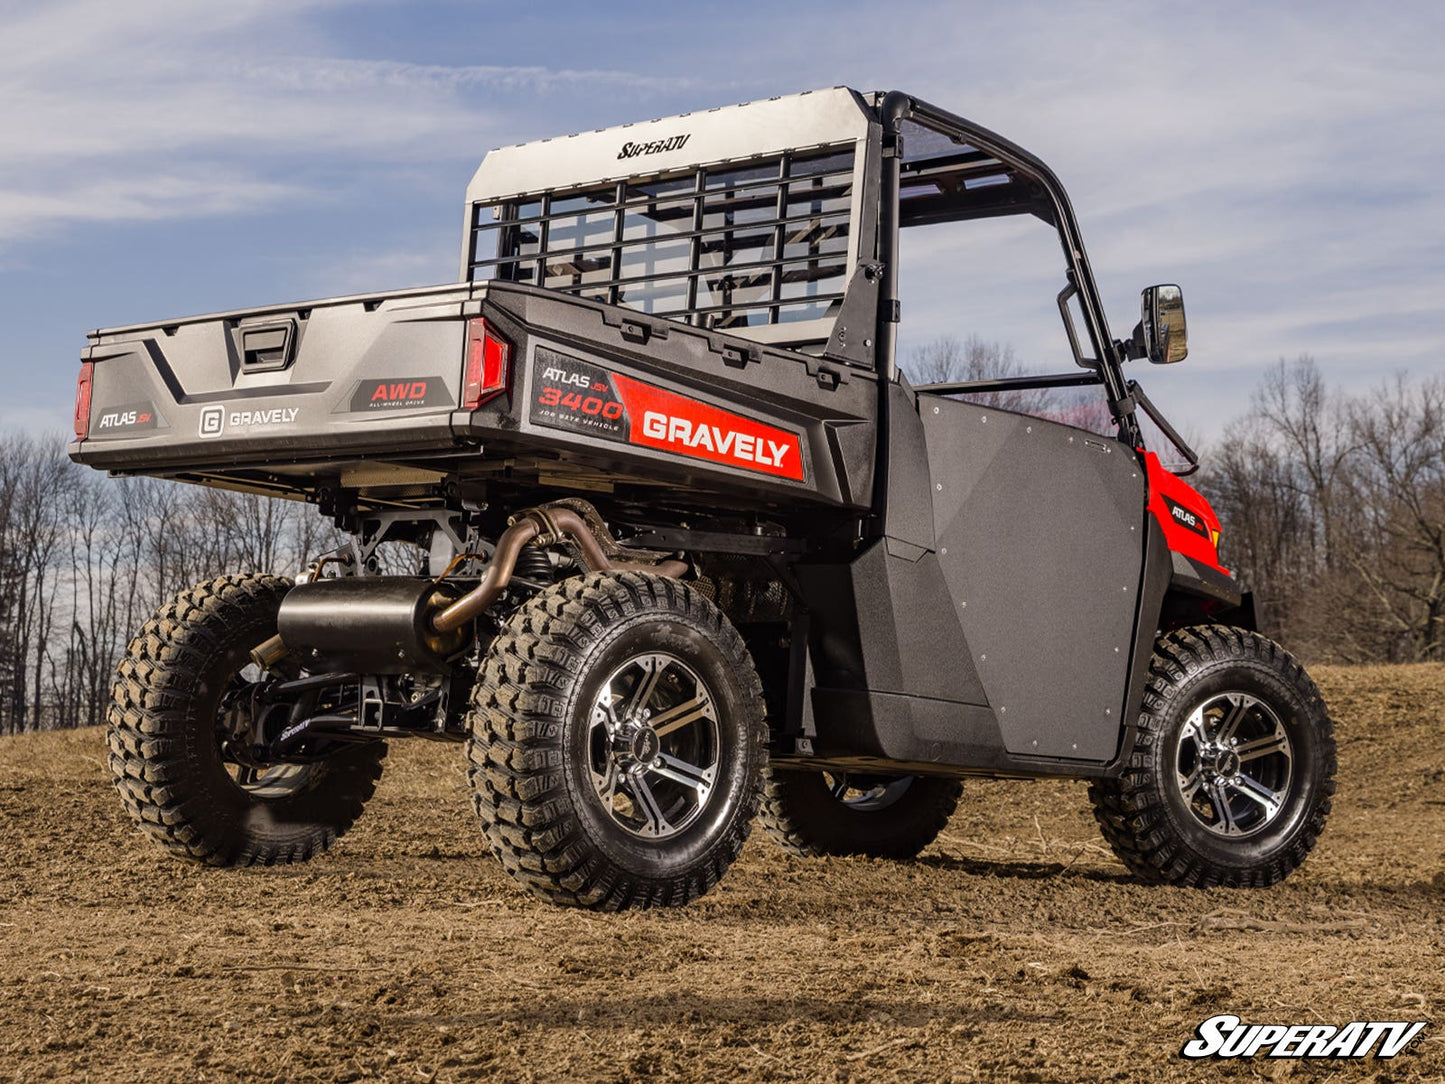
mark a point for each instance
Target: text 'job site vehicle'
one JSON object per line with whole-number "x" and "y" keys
{"x": 688, "y": 545}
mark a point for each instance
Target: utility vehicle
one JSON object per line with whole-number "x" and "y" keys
{"x": 688, "y": 545}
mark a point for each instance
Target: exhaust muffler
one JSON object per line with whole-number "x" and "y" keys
{"x": 370, "y": 624}
{"x": 398, "y": 625}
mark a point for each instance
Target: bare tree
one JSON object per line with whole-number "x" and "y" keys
{"x": 948, "y": 360}
{"x": 1310, "y": 426}
{"x": 1333, "y": 511}
{"x": 85, "y": 559}
{"x": 1398, "y": 487}
{"x": 1268, "y": 522}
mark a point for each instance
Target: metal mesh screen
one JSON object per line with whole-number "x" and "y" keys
{"x": 730, "y": 246}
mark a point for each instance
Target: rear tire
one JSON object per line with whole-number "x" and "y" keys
{"x": 812, "y": 814}
{"x": 166, "y": 745}
{"x": 617, "y": 743}
{"x": 1232, "y": 773}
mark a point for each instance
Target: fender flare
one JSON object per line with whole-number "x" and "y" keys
{"x": 1199, "y": 594}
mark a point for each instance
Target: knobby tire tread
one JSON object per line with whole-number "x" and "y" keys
{"x": 516, "y": 747}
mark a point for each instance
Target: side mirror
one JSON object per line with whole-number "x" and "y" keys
{"x": 1162, "y": 335}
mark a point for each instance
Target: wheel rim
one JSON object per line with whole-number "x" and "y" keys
{"x": 653, "y": 746}
{"x": 866, "y": 794}
{"x": 235, "y": 737}
{"x": 1234, "y": 765}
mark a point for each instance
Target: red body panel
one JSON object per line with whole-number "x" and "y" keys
{"x": 1190, "y": 526}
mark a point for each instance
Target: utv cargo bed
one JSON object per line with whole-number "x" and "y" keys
{"x": 384, "y": 395}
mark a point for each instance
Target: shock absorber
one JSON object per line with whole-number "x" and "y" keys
{"x": 533, "y": 564}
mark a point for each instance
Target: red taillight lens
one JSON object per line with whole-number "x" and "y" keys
{"x": 82, "y": 399}
{"x": 489, "y": 365}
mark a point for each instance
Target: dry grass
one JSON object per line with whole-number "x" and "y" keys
{"x": 1015, "y": 949}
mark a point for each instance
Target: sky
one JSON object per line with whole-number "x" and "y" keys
{"x": 1281, "y": 162}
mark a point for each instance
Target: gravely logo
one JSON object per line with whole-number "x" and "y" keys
{"x": 670, "y": 431}
{"x": 216, "y": 419}
{"x": 399, "y": 394}
{"x": 657, "y": 146}
{"x": 583, "y": 398}
{"x": 678, "y": 424}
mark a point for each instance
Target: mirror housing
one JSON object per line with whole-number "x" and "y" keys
{"x": 1162, "y": 335}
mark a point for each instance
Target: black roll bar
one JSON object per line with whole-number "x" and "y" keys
{"x": 897, "y": 107}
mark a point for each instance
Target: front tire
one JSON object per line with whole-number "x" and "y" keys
{"x": 812, "y": 814}
{"x": 617, "y": 741}
{"x": 1232, "y": 773}
{"x": 172, "y": 762}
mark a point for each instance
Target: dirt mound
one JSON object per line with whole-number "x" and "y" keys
{"x": 1016, "y": 948}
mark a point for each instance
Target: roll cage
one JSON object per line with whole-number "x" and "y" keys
{"x": 779, "y": 221}
{"x": 940, "y": 167}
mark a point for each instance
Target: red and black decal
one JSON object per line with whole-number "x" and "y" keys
{"x": 576, "y": 396}
{"x": 582, "y": 398}
{"x": 1190, "y": 521}
{"x": 1190, "y": 525}
{"x": 400, "y": 394}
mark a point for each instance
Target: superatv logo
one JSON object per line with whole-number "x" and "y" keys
{"x": 1227, "y": 1036}
{"x": 657, "y": 146}
{"x": 747, "y": 449}
{"x": 216, "y": 419}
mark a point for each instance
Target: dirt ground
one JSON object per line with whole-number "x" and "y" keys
{"x": 1016, "y": 949}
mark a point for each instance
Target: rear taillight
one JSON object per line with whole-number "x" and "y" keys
{"x": 82, "y": 399}
{"x": 489, "y": 365}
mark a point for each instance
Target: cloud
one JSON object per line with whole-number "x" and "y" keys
{"x": 1279, "y": 161}
{"x": 194, "y": 192}
{"x": 369, "y": 269}
{"x": 331, "y": 75}
{"x": 153, "y": 108}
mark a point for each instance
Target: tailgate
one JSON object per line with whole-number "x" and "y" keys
{"x": 349, "y": 377}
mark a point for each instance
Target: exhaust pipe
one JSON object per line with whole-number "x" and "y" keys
{"x": 546, "y": 526}
{"x": 424, "y": 615}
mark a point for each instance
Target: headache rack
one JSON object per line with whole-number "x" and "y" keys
{"x": 733, "y": 246}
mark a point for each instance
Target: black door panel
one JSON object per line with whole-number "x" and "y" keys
{"x": 1040, "y": 540}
